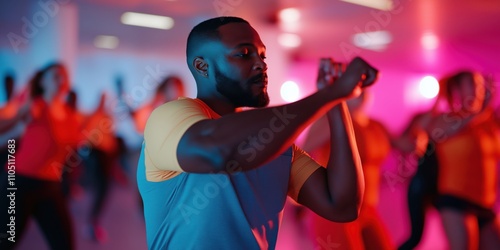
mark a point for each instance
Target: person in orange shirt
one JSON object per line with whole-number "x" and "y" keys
{"x": 70, "y": 177}
{"x": 467, "y": 143}
{"x": 169, "y": 89}
{"x": 12, "y": 114}
{"x": 44, "y": 152}
{"x": 374, "y": 144}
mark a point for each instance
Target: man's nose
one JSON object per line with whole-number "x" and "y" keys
{"x": 260, "y": 65}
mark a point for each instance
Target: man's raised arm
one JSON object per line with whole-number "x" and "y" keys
{"x": 246, "y": 140}
{"x": 336, "y": 193}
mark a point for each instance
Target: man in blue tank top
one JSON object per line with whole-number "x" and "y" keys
{"x": 214, "y": 177}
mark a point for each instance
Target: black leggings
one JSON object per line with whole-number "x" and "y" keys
{"x": 421, "y": 194}
{"x": 483, "y": 215}
{"x": 101, "y": 176}
{"x": 42, "y": 199}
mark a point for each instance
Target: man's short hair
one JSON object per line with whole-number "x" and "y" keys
{"x": 207, "y": 30}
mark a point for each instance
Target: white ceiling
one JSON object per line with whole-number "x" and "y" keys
{"x": 468, "y": 31}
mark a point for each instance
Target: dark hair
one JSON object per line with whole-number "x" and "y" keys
{"x": 72, "y": 99}
{"x": 9, "y": 85}
{"x": 169, "y": 81}
{"x": 9, "y": 77}
{"x": 450, "y": 83}
{"x": 456, "y": 80}
{"x": 208, "y": 29}
{"x": 36, "y": 82}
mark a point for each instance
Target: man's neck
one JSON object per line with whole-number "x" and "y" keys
{"x": 220, "y": 107}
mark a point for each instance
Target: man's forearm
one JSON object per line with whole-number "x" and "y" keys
{"x": 345, "y": 175}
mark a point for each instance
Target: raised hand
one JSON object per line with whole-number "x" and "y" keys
{"x": 358, "y": 74}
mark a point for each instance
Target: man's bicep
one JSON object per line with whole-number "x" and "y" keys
{"x": 309, "y": 183}
{"x": 314, "y": 193}
{"x": 303, "y": 166}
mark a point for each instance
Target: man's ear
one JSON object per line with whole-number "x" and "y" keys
{"x": 200, "y": 66}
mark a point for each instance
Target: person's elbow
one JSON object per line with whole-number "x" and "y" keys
{"x": 350, "y": 214}
{"x": 342, "y": 209}
{"x": 345, "y": 212}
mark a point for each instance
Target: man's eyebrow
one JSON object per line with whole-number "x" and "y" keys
{"x": 248, "y": 44}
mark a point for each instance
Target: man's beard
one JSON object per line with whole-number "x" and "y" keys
{"x": 238, "y": 96}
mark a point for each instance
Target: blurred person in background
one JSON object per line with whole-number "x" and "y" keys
{"x": 70, "y": 178}
{"x": 9, "y": 84}
{"x": 99, "y": 129}
{"x": 422, "y": 190}
{"x": 466, "y": 142}
{"x": 374, "y": 145}
{"x": 468, "y": 151}
{"x": 171, "y": 88}
{"x": 15, "y": 107}
{"x": 129, "y": 139}
{"x": 45, "y": 148}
